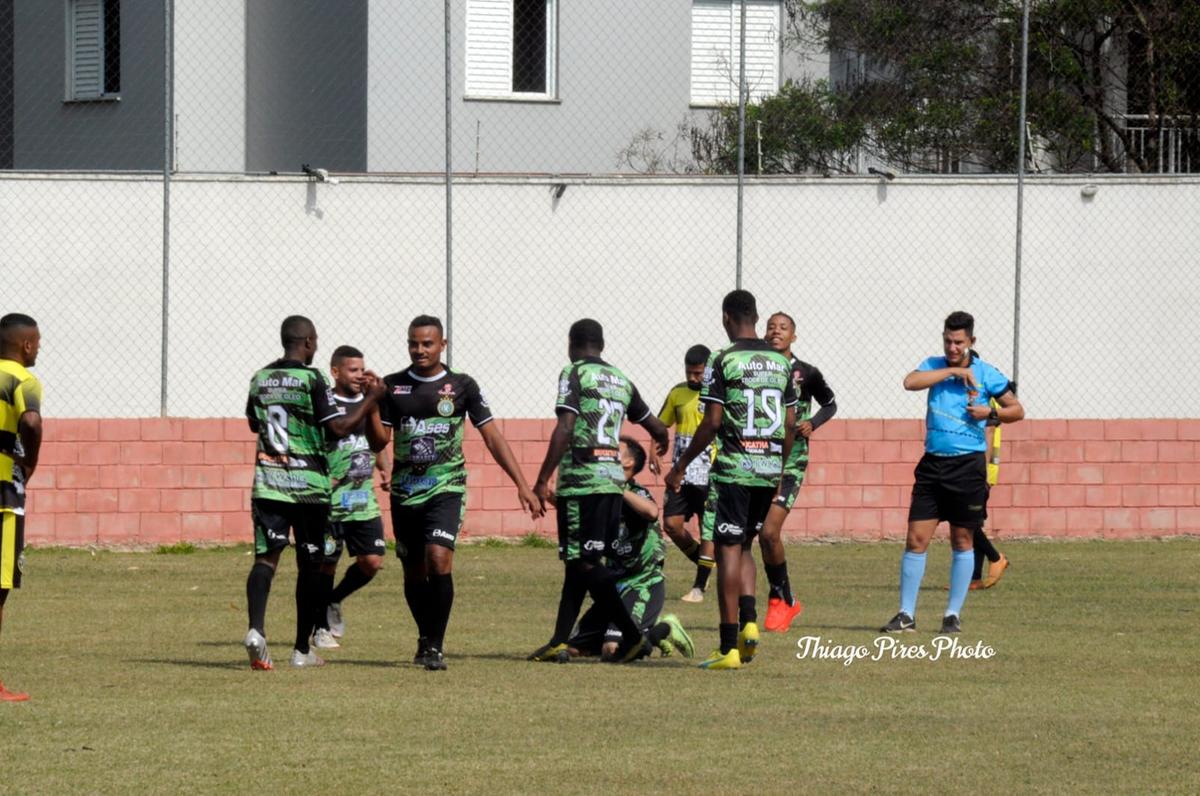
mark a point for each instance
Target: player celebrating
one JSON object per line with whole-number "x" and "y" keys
{"x": 292, "y": 409}
{"x": 808, "y": 383}
{"x": 20, "y": 444}
{"x": 681, "y": 409}
{"x": 354, "y": 518}
{"x": 749, "y": 401}
{"x": 636, "y": 558}
{"x": 426, "y": 405}
{"x": 593, "y": 399}
{"x": 951, "y": 478}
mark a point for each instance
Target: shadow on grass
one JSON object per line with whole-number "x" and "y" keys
{"x": 189, "y": 663}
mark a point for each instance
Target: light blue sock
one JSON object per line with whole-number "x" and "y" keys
{"x": 962, "y": 563}
{"x": 912, "y": 569}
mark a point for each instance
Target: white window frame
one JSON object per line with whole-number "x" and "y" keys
{"x": 72, "y": 94}
{"x": 728, "y": 57}
{"x": 476, "y": 87}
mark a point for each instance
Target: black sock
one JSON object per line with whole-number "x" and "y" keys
{"x": 982, "y": 543}
{"x": 603, "y": 587}
{"x": 415, "y": 594}
{"x": 441, "y": 593}
{"x": 747, "y": 610}
{"x": 574, "y": 589}
{"x": 977, "y": 570}
{"x": 691, "y": 549}
{"x": 308, "y": 603}
{"x": 258, "y": 589}
{"x": 781, "y": 587}
{"x": 659, "y": 632}
{"x": 729, "y": 634}
{"x": 352, "y": 581}
{"x": 704, "y": 568}
{"x": 326, "y": 592}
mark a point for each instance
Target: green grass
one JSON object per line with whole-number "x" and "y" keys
{"x": 140, "y": 684}
{"x": 177, "y": 549}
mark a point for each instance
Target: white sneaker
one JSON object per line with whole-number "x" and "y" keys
{"x": 693, "y": 596}
{"x": 302, "y": 660}
{"x": 322, "y": 639}
{"x": 337, "y": 622}
{"x": 256, "y": 648}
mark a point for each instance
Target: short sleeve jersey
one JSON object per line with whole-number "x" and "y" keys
{"x": 290, "y": 402}
{"x": 949, "y": 430}
{"x": 351, "y": 465}
{"x": 601, "y": 396}
{"x": 753, "y": 382}
{"x": 637, "y": 555}
{"x": 809, "y": 384}
{"x": 428, "y": 415}
{"x": 20, "y": 392}
{"x": 682, "y": 410}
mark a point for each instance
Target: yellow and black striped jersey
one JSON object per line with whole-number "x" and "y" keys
{"x": 20, "y": 392}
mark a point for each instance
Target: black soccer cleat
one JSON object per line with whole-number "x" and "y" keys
{"x": 551, "y": 653}
{"x": 950, "y": 624}
{"x": 901, "y": 623}
{"x": 434, "y": 661}
{"x": 628, "y": 653}
{"x": 422, "y": 651}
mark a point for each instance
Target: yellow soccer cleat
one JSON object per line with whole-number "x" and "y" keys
{"x": 728, "y": 660}
{"x": 995, "y": 572}
{"x": 748, "y": 642}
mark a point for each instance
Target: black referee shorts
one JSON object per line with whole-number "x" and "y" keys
{"x": 951, "y": 488}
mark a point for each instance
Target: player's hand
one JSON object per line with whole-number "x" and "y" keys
{"x": 655, "y": 462}
{"x": 373, "y": 385}
{"x": 968, "y": 378}
{"x": 531, "y": 503}
{"x": 674, "y": 479}
{"x": 543, "y": 492}
{"x": 804, "y": 428}
{"x": 661, "y": 446}
{"x": 385, "y": 480}
{"x": 979, "y": 411}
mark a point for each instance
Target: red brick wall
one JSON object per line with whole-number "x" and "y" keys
{"x": 151, "y": 481}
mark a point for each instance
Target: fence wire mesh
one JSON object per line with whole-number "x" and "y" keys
{"x": 279, "y": 156}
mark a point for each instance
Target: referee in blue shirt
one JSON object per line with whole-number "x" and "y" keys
{"x": 951, "y": 478}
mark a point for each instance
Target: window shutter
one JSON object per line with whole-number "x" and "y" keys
{"x": 87, "y": 48}
{"x": 715, "y": 37}
{"x": 762, "y": 47}
{"x": 489, "y": 48}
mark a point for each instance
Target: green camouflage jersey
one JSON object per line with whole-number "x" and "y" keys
{"x": 428, "y": 415}
{"x": 637, "y": 556}
{"x": 601, "y": 396}
{"x": 808, "y": 383}
{"x": 289, "y": 403}
{"x": 351, "y": 465}
{"x": 753, "y": 382}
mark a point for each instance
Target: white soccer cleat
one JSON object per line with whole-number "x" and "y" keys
{"x": 337, "y": 622}
{"x": 303, "y": 660}
{"x": 256, "y": 648}
{"x": 693, "y": 596}
{"x": 323, "y": 639}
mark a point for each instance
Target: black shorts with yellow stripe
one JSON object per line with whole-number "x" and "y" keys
{"x": 12, "y": 547}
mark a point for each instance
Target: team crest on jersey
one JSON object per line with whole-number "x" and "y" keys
{"x": 564, "y": 386}
{"x": 445, "y": 406}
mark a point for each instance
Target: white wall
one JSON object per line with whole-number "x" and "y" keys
{"x": 1110, "y": 283}
{"x": 210, "y": 85}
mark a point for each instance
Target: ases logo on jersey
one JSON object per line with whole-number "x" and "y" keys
{"x": 445, "y": 406}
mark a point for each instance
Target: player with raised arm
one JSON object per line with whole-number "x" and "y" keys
{"x": 355, "y": 521}
{"x": 594, "y": 398}
{"x": 20, "y": 444}
{"x": 750, "y": 404}
{"x": 809, "y": 384}
{"x": 681, "y": 410}
{"x": 427, "y": 405}
{"x": 293, "y": 412}
{"x": 951, "y": 478}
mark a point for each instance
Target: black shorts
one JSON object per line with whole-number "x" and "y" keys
{"x": 358, "y": 537}
{"x": 644, "y": 604}
{"x": 587, "y": 525}
{"x": 273, "y": 519}
{"x": 951, "y": 488}
{"x": 433, "y": 521}
{"x": 737, "y": 512}
{"x": 12, "y": 545}
{"x": 789, "y": 487}
{"x": 688, "y": 502}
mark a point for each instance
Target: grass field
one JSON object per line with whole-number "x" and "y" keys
{"x": 139, "y": 683}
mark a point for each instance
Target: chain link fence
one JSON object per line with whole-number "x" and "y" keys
{"x": 176, "y": 176}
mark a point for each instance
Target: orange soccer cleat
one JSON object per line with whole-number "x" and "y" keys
{"x": 12, "y": 696}
{"x": 780, "y": 615}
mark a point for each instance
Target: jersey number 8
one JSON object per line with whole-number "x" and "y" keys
{"x": 277, "y": 428}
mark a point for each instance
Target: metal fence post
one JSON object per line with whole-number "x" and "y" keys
{"x": 449, "y": 200}
{"x": 168, "y": 137}
{"x": 1016, "y": 364}
{"x": 741, "y": 148}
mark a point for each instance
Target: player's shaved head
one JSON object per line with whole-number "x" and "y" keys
{"x": 19, "y": 338}
{"x": 296, "y": 329}
{"x": 15, "y": 325}
{"x": 342, "y": 353}
{"x": 586, "y": 333}
{"x": 422, "y": 321}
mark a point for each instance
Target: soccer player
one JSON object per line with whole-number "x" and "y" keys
{"x": 20, "y": 443}
{"x": 594, "y": 398}
{"x": 809, "y": 384}
{"x": 293, "y": 410}
{"x": 750, "y": 403}
{"x": 951, "y": 478}
{"x": 681, "y": 409}
{"x": 636, "y": 558}
{"x": 426, "y": 405}
{"x": 355, "y": 521}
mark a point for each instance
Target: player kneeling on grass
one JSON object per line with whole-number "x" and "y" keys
{"x": 951, "y": 478}
{"x": 355, "y": 521}
{"x": 636, "y": 559}
{"x": 427, "y": 405}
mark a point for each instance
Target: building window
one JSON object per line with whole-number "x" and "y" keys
{"x": 511, "y": 49}
{"x": 93, "y": 49}
{"x": 716, "y": 34}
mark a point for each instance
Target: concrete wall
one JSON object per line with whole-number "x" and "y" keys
{"x": 6, "y": 85}
{"x": 210, "y": 85}
{"x": 114, "y": 135}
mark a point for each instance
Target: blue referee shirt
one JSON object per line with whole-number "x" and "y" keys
{"x": 949, "y": 430}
